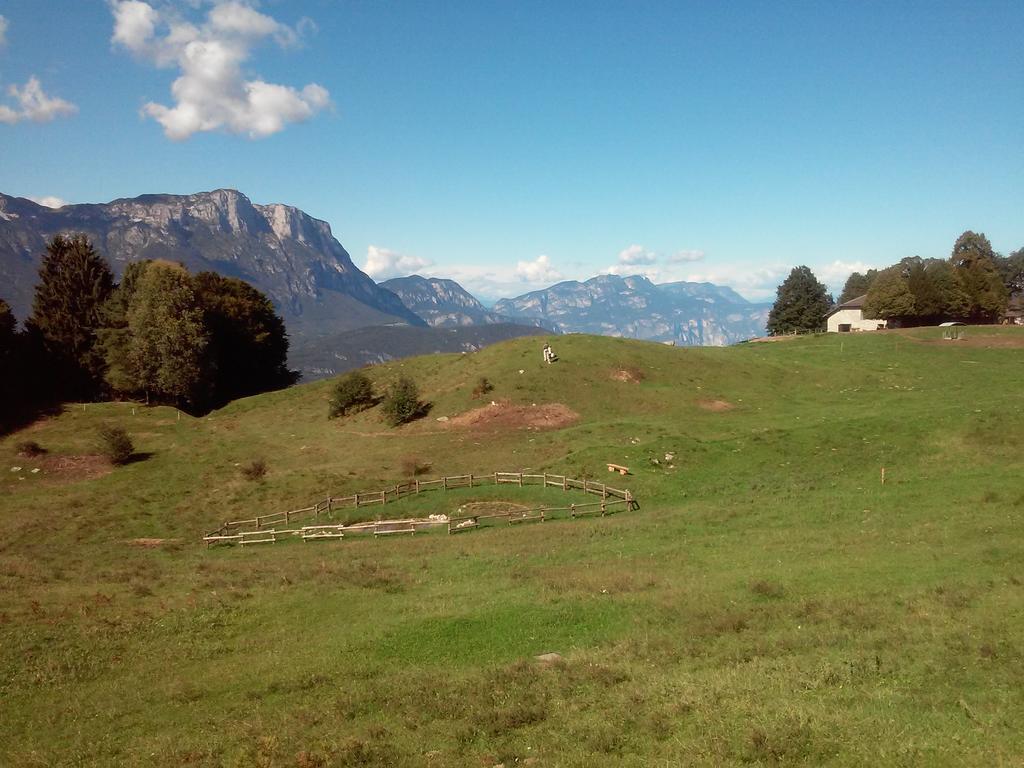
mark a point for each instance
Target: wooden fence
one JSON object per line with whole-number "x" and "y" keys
{"x": 264, "y": 529}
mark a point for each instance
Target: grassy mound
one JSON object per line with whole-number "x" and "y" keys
{"x": 771, "y": 603}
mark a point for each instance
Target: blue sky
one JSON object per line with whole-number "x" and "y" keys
{"x": 511, "y": 144}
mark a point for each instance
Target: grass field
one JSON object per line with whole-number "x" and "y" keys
{"x": 770, "y": 603}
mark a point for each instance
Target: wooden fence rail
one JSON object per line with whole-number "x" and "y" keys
{"x": 231, "y": 531}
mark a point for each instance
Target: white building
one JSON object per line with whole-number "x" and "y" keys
{"x": 850, "y": 317}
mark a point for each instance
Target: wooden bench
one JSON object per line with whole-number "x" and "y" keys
{"x": 618, "y": 468}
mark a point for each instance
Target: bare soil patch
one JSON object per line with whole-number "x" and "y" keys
{"x": 716, "y": 406}
{"x": 151, "y": 543}
{"x": 628, "y": 375}
{"x": 70, "y": 469}
{"x": 503, "y": 415}
{"x": 491, "y": 508}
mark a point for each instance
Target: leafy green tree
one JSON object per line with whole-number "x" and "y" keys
{"x": 248, "y": 350}
{"x": 402, "y": 403}
{"x": 952, "y": 300}
{"x": 352, "y": 393}
{"x": 889, "y": 297}
{"x": 800, "y": 305}
{"x": 115, "y": 337}
{"x": 857, "y": 285}
{"x": 167, "y": 336}
{"x": 1011, "y": 270}
{"x": 74, "y": 283}
{"x": 976, "y": 273}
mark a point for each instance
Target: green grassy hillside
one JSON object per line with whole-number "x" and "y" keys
{"x": 770, "y": 603}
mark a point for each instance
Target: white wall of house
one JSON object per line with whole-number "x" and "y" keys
{"x": 855, "y": 319}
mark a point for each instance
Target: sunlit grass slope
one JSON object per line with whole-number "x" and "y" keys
{"x": 770, "y": 603}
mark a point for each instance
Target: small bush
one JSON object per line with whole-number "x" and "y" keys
{"x": 483, "y": 386}
{"x": 352, "y": 393}
{"x": 30, "y": 449}
{"x": 116, "y": 445}
{"x": 254, "y": 470}
{"x": 402, "y": 403}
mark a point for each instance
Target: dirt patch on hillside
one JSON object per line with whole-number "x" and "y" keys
{"x": 716, "y": 406}
{"x": 152, "y": 543}
{"x": 491, "y": 508}
{"x": 70, "y": 469}
{"x": 628, "y": 375}
{"x": 503, "y": 415}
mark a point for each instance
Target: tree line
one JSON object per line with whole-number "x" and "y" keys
{"x": 161, "y": 335}
{"x": 973, "y": 285}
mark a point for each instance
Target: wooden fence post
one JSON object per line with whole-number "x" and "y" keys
{"x": 445, "y": 479}
{"x": 357, "y": 500}
{"x": 520, "y": 479}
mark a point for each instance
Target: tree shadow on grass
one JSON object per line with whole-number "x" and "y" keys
{"x": 137, "y": 457}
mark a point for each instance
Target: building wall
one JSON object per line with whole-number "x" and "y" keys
{"x": 855, "y": 319}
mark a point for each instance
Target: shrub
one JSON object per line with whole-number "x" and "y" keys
{"x": 483, "y": 386}
{"x": 255, "y": 470}
{"x": 352, "y": 393}
{"x": 30, "y": 449}
{"x": 402, "y": 402}
{"x": 115, "y": 444}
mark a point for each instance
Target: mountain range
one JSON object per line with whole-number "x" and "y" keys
{"x": 286, "y": 253}
{"x": 687, "y": 314}
{"x": 446, "y": 304}
{"x": 336, "y": 315}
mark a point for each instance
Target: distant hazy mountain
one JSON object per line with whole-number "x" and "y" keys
{"x": 286, "y": 253}
{"x": 327, "y": 356}
{"x": 691, "y": 314}
{"x": 446, "y": 304}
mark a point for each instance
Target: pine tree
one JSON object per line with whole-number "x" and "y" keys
{"x": 74, "y": 283}
{"x": 801, "y": 304}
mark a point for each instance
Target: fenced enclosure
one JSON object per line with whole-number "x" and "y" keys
{"x": 263, "y": 529}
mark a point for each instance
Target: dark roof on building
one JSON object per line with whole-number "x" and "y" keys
{"x": 857, "y": 303}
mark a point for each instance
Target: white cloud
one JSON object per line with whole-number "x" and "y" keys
{"x": 537, "y": 271}
{"x": 383, "y": 264}
{"x": 637, "y": 254}
{"x": 50, "y": 201}
{"x": 4, "y": 24}
{"x": 756, "y": 283}
{"x": 32, "y": 103}
{"x": 834, "y": 275}
{"x": 681, "y": 257}
{"x": 212, "y": 92}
